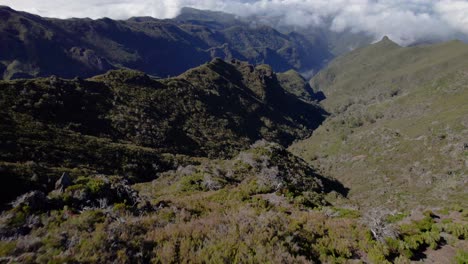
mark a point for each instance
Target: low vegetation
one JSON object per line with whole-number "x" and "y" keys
{"x": 126, "y": 123}
{"x": 127, "y": 168}
{"x": 398, "y": 126}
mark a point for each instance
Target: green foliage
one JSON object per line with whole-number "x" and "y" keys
{"x": 295, "y": 84}
{"x": 7, "y": 248}
{"x": 256, "y": 206}
{"x": 89, "y": 219}
{"x": 192, "y": 183}
{"x": 347, "y": 213}
{"x": 378, "y": 131}
{"x": 378, "y": 254}
{"x": 310, "y": 199}
{"x": 395, "y": 218}
{"x": 461, "y": 257}
{"x": 107, "y": 125}
{"x": 417, "y": 236}
{"x": 458, "y": 230}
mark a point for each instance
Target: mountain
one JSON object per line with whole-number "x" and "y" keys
{"x": 212, "y": 19}
{"x": 227, "y": 161}
{"x": 125, "y": 167}
{"x": 33, "y": 46}
{"x": 335, "y": 42}
{"x": 296, "y": 84}
{"x": 127, "y": 123}
{"x": 397, "y": 135}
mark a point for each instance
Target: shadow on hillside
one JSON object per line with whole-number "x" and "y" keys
{"x": 331, "y": 185}
{"x": 318, "y": 96}
{"x": 291, "y": 117}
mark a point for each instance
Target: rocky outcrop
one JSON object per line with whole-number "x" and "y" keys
{"x": 64, "y": 182}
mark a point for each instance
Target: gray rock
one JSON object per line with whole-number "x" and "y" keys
{"x": 35, "y": 200}
{"x": 64, "y": 182}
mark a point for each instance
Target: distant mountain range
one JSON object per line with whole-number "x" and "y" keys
{"x": 32, "y": 46}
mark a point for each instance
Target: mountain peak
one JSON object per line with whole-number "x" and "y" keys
{"x": 386, "y": 41}
{"x": 5, "y": 10}
{"x": 2, "y": 7}
{"x": 142, "y": 19}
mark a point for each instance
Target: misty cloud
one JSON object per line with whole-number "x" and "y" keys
{"x": 405, "y": 21}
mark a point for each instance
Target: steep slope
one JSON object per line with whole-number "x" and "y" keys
{"x": 263, "y": 205}
{"x": 124, "y": 167}
{"x": 32, "y": 46}
{"x": 211, "y": 19}
{"x": 398, "y": 132}
{"x": 123, "y": 121}
{"x": 295, "y": 84}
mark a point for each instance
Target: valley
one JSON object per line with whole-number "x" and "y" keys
{"x": 199, "y": 139}
{"x": 398, "y": 124}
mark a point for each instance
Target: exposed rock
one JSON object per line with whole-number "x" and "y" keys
{"x": 99, "y": 192}
{"x": 64, "y": 182}
{"x": 34, "y": 200}
{"x": 89, "y": 58}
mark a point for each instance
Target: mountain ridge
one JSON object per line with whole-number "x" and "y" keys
{"x": 214, "y": 110}
{"x": 89, "y": 47}
{"x": 132, "y": 167}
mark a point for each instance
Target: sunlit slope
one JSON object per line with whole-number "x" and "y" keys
{"x": 399, "y": 128}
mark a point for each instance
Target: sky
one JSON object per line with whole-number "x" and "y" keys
{"x": 404, "y": 21}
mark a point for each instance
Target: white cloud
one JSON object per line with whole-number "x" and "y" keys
{"x": 455, "y": 13}
{"x": 405, "y": 21}
{"x": 118, "y": 9}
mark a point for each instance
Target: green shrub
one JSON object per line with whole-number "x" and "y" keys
{"x": 7, "y": 248}
{"x": 459, "y": 230}
{"x": 461, "y": 257}
{"x": 192, "y": 183}
{"x": 348, "y": 213}
{"x": 394, "y": 218}
{"x": 378, "y": 254}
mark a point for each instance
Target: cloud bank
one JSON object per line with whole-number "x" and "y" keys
{"x": 405, "y": 21}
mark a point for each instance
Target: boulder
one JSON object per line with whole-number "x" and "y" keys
{"x": 64, "y": 182}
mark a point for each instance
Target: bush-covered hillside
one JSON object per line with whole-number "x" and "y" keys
{"x": 398, "y": 132}
{"x": 264, "y": 205}
{"x": 126, "y": 123}
{"x": 125, "y": 167}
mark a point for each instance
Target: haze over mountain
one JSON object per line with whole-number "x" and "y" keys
{"x": 33, "y": 46}
{"x": 406, "y": 22}
{"x": 90, "y": 47}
